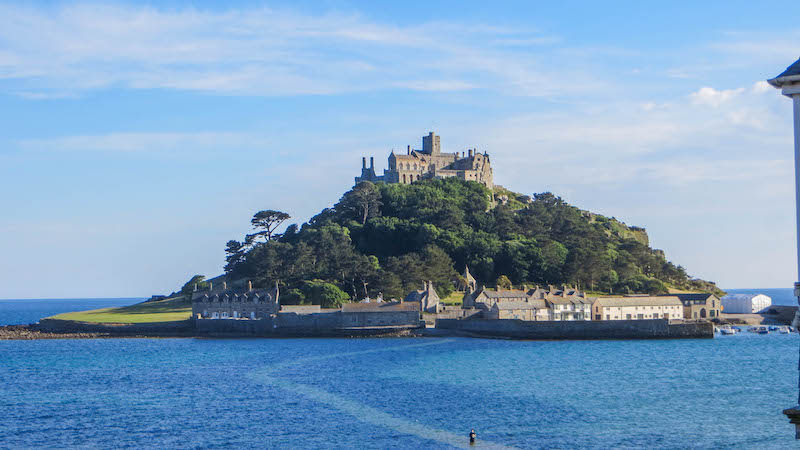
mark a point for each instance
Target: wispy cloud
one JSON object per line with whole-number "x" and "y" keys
{"x": 49, "y": 51}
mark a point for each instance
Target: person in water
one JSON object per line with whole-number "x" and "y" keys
{"x": 472, "y": 436}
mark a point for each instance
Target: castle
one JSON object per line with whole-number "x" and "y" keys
{"x": 430, "y": 162}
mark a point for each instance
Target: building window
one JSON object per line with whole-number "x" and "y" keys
{"x": 640, "y": 316}
{"x": 655, "y": 315}
{"x": 628, "y": 316}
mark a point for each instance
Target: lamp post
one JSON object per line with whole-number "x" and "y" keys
{"x": 789, "y": 84}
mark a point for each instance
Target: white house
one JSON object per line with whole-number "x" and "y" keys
{"x": 745, "y": 303}
{"x": 637, "y": 307}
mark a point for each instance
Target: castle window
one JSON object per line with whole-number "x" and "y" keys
{"x": 404, "y": 178}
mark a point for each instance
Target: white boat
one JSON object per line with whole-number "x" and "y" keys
{"x": 783, "y": 330}
{"x": 727, "y": 331}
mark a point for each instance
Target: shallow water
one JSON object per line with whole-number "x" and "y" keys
{"x": 416, "y": 393}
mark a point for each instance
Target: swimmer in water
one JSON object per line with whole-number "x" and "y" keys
{"x": 472, "y": 436}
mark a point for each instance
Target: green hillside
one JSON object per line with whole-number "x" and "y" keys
{"x": 388, "y": 238}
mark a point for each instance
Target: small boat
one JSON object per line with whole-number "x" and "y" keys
{"x": 727, "y": 331}
{"x": 737, "y": 329}
{"x": 752, "y": 330}
{"x": 773, "y": 328}
{"x": 763, "y": 330}
{"x": 784, "y": 330}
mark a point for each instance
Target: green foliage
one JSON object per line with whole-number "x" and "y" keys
{"x": 188, "y": 288}
{"x": 318, "y": 292}
{"x": 503, "y": 282}
{"x": 390, "y": 238}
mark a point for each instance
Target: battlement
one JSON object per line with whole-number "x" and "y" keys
{"x": 431, "y": 162}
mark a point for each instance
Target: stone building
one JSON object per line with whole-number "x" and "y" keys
{"x": 553, "y": 303}
{"x": 431, "y": 162}
{"x": 637, "y": 307}
{"x": 383, "y": 314}
{"x": 227, "y": 303}
{"x": 699, "y": 306}
{"x": 427, "y": 298}
{"x": 534, "y": 310}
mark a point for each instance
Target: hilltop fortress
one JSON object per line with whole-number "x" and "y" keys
{"x": 430, "y": 162}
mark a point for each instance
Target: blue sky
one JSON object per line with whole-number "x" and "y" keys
{"x": 136, "y": 139}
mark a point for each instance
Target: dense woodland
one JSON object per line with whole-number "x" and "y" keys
{"x": 388, "y": 238}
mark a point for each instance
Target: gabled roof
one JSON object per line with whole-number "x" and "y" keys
{"x": 690, "y": 297}
{"x": 519, "y": 305}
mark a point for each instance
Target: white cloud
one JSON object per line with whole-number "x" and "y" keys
{"x": 709, "y": 96}
{"x": 256, "y": 51}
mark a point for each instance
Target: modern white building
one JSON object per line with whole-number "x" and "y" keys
{"x": 745, "y": 303}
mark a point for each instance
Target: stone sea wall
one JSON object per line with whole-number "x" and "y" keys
{"x": 613, "y": 329}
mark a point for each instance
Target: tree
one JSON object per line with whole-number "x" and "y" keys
{"x": 199, "y": 280}
{"x": 361, "y": 202}
{"x": 266, "y": 221}
{"x": 503, "y": 282}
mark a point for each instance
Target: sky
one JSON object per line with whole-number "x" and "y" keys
{"x": 136, "y": 139}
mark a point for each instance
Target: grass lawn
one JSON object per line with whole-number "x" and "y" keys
{"x": 174, "y": 309}
{"x": 453, "y": 299}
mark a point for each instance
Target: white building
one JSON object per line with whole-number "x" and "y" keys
{"x": 745, "y": 303}
{"x": 637, "y": 308}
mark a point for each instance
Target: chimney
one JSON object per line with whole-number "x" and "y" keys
{"x": 371, "y": 162}
{"x": 409, "y": 149}
{"x": 364, "y": 162}
{"x": 224, "y": 285}
{"x": 249, "y": 285}
{"x": 470, "y": 153}
{"x": 210, "y": 286}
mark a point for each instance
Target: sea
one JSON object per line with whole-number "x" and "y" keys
{"x": 726, "y": 392}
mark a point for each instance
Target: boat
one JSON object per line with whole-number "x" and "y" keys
{"x": 752, "y": 330}
{"x": 763, "y": 330}
{"x": 784, "y": 330}
{"x": 727, "y": 331}
{"x": 737, "y": 329}
{"x": 773, "y": 328}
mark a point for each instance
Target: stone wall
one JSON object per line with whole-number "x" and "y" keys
{"x": 614, "y": 329}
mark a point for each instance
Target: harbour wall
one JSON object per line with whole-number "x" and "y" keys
{"x": 333, "y": 324}
{"x": 556, "y": 330}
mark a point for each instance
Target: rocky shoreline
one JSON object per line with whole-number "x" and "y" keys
{"x": 30, "y": 333}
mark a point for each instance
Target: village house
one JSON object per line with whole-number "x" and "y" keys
{"x": 381, "y": 314}
{"x": 699, "y": 306}
{"x": 427, "y": 298}
{"x": 637, "y": 307}
{"x": 535, "y": 310}
{"x": 573, "y": 307}
{"x": 228, "y": 303}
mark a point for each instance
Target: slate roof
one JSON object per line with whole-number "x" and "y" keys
{"x": 793, "y": 70}
{"x": 639, "y": 301}
{"x": 519, "y": 305}
{"x": 690, "y": 297}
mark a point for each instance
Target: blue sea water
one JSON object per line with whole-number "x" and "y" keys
{"x": 24, "y": 311}
{"x": 410, "y": 393}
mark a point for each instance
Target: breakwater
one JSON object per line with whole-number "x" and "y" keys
{"x": 616, "y": 329}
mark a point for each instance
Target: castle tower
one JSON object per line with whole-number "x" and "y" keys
{"x": 472, "y": 284}
{"x": 431, "y": 144}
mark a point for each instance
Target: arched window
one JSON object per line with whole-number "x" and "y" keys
{"x": 404, "y": 178}
{"x": 703, "y": 313}
{"x": 415, "y": 166}
{"x": 408, "y": 166}
{"x": 417, "y": 177}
